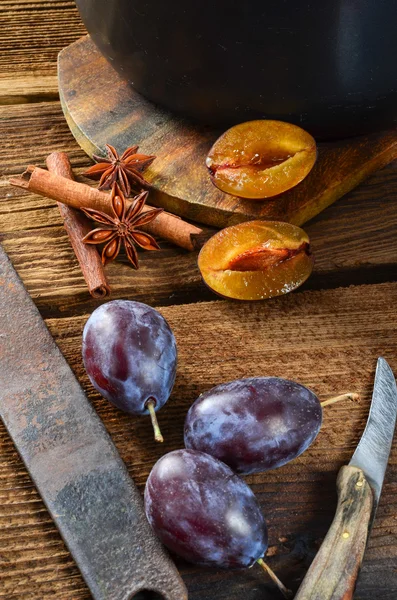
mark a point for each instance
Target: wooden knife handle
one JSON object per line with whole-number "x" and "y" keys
{"x": 333, "y": 572}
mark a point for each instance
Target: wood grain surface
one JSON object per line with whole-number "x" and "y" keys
{"x": 323, "y": 339}
{"x": 32, "y": 32}
{"x": 327, "y": 336}
{"x": 179, "y": 177}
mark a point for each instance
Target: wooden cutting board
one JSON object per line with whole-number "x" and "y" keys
{"x": 100, "y": 107}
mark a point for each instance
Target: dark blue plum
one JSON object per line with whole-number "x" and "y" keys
{"x": 254, "y": 424}
{"x": 203, "y": 512}
{"x": 130, "y": 355}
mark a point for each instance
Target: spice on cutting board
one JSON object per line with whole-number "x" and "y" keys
{"x": 80, "y": 195}
{"x": 123, "y": 226}
{"x": 126, "y": 170}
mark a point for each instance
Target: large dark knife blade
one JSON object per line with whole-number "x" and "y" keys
{"x": 334, "y": 571}
{"x": 72, "y": 459}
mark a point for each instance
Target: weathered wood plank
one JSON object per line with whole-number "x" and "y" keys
{"x": 36, "y": 87}
{"x": 328, "y": 340}
{"x": 31, "y": 35}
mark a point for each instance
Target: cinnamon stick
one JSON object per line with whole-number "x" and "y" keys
{"x": 77, "y": 226}
{"x": 80, "y": 195}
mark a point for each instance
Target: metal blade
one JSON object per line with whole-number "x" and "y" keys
{"x": 72, "y": 460}
{"x": 372, "y": 452}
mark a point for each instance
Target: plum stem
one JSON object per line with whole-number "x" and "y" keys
{"x": 285, "y": 591}
{"x": 335, "y": 399}
{"x": 150, "y": 404}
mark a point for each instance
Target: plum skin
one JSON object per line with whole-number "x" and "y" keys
{"x": 130, "y": 355}
{"x": 254, "y": 424}
{"x": 204, "y": 512}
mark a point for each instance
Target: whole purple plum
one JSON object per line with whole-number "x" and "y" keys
{"x": 203, "y": 512}
{"x": 254, "y": 424}
{"x": 130, "y": 355}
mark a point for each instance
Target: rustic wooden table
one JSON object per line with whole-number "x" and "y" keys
{"x": 327, "y": 335}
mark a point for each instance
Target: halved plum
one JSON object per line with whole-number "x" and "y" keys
{"x": 256, "y": 260}
{"x": 261, "y": 159}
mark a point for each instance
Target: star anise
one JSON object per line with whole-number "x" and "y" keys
{"x": 125, "y": 169}
{"x": 123, "y": 226}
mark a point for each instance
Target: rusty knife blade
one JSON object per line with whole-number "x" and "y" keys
{"x": 72, "y": 460}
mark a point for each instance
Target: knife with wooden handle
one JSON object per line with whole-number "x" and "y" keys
{"x": 334, "y": 571}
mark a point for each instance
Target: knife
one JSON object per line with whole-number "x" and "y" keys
{"x": 72, "y": 460}
{"x": 334, "y": 571}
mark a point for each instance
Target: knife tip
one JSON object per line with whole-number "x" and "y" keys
{"x": 383, "y": 365}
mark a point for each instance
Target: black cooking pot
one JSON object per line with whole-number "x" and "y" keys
{"x": 327, "y": 65}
